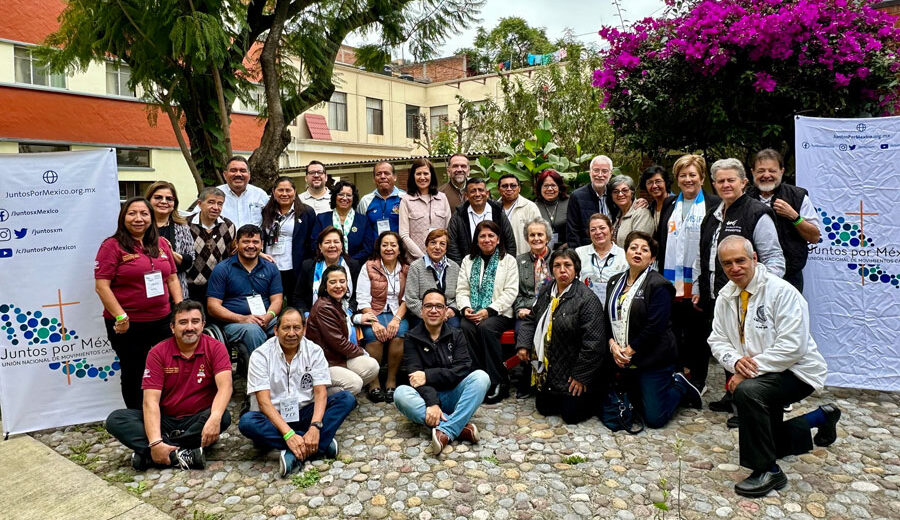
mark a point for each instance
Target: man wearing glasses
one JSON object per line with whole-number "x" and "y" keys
{"x": 317, "y": 195}
{"x": 518, "y": 210}
{"x": 587, "y": 200}
{"x": 243, "y": 201}
{"x": 444, "y": 391}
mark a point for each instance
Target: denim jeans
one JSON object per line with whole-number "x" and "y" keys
{"x": 250, "y": 335}
{"x": 259, "y": 429}
{"x": 458, "y": 404}
{"x": 656, "y": 394}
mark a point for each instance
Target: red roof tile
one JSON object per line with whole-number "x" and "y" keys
{"x": 318, "y": 127}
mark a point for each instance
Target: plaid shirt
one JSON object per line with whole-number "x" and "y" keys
{"x": 210, "y": 247}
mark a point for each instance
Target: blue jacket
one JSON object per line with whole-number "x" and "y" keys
{"x": 359, "y": 239}
{"x": 375, "y": 208}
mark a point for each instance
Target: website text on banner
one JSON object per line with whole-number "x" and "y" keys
{"x": 851, "y": 168}
{"x": 56, "y": 364}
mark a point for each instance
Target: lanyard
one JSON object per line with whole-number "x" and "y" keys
{"x": 609, "y": 257}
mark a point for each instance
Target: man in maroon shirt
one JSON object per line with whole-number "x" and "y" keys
{"x": 187, "y": 385}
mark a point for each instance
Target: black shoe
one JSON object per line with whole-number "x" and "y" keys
{"x": 691, "y": 395}
{"x": 732, "y": 422}
{"x": 827, "y": 433}
{"x": 138, "y": 462}
{"x": 376, "y": 395}
{"x": 496, "y": 394}
{"x": 524, "y": 393}
{"x": 188, "y": 458}
{"x": 389, "y": 395}
{"x": 723, "y": 404}
{"x": 759, "y": 483}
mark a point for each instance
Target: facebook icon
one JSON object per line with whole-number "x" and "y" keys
{"x": 3, "y": 215}
{"x": 6, "y": 253}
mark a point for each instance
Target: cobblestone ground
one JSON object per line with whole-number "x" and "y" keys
{"x": 526, "y": 466}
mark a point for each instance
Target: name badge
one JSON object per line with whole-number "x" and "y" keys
{"x": 257, "y": 307}
{"x": 554, "y": 239}
{"x": 277, "y": 249}
{"x": 153, "y": 284}
{"x": 383, "y": 225}
{"x": 290, "y": 409}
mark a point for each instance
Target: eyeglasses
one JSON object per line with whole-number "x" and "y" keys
{"x": 656, "y": 182}
{"x": 508, "y": 186}
{"x": 604, "y": 171}
{"x": 550, "y": 187}
{"x": 161, "y": 198}
{"x": 434, "y": 306}
{"x": 315, "y": 173}
{"x": 622, "y": 191}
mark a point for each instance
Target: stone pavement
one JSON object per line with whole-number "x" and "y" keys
{"x": 526, "y": 466}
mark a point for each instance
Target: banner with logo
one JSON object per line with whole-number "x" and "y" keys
{"x": 851, "y": 168}
{"x": 56, "y": 364}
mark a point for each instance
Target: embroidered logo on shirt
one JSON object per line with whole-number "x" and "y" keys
{"x": 760, "y": 315}
{"x": 130, "y": 257}
{"x": 306, "y": 382}
{"x": 146, "y": 373}
{"x": 171, "y": 370}
{"x": 201, "y": 373}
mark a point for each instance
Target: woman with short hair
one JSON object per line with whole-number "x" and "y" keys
{"x": 534, "y": 266}
{"x": 354, "y": 227}
{"x": 552, "y": 200}
{"x": 433, "y": 271}
{"x": 172, "y": 227}
{"x": 631, "y": 217}
{"x": 657, "y": 182}
{"x": 602, "y": 258}
{"x": 329, "y": 251}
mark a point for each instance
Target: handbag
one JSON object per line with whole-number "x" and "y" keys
{"x": 617, "y": 413}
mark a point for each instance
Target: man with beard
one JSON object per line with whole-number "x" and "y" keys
{"x": 187, "y": 385}
{"x": 244, "y": 292}
{"x": 317, "y": 195}
{"x": 457, "y": 172}
{"x": 797, "y": 222}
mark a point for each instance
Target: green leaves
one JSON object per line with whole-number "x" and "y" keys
{"x": 199, "y": 37}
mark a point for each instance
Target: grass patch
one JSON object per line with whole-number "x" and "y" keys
{"x": 201, "y": 515}
{"x": 574, "y": 459}
{"x": 491, "y": 459}
{"x": 306, "y": 479}
{"x": 119, "y": 477}
{"x": 139, "y": 489}
{"x": 347, "y": 459}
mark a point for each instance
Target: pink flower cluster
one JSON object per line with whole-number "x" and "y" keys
{"x": 839, "y": 36}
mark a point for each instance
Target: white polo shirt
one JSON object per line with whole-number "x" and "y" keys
{"x": 318, "y": 204}
{"x": 245, "y": 208}
{"x": 269, "y": 370}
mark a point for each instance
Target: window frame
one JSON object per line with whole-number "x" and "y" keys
{"x": 32, "y": 68}
{"x": 114, "y": 68}
{"x": 435, "y": 121}
{"x": 337, "y": 112}
{"x": 412, "y": 122}
{"x": 374, "y": 117}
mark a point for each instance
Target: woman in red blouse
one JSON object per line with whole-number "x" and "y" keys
{"x": 135, "y": 276}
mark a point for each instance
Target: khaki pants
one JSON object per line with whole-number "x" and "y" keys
{"x": 358, "y": 372}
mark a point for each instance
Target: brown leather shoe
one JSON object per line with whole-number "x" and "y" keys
{"x": 469, "y": 433}
{"x": 439, "y": 440}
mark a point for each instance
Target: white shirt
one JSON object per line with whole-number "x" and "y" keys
{"x": 596, "y": 271}
{"x": 245, "y": 208}
{"x": 364, "y": 289}
{"x": 282, "y": 251}
{"x": 318, "y": 204}
{"x": 776, "y": 329}
{"x": 269, "y": 370}
{"x": 475, "y": 218}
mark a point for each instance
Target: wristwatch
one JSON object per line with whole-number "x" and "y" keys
{"x": 317, "y": 424}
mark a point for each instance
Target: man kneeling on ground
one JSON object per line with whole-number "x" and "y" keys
{"x": 290, "y": 409}
{"x": 761, "y": 334}
{"x": 443, "y": 391}
{"x": 187, "y": 385}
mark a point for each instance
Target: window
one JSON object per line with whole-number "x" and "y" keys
{"x": 438, "y": 118}
{"x": 41, "y": 147}
{"x": 337, "y": 111}
{"x": 412, "y": 122}
{"x": 256, "y": 103}
{"x": 133, "y": 158}
{"x": 374, "y": 117}
{"x": 117, "y": 77}
{"x": 28, "y": 70}
{"x": 128, "y": 189}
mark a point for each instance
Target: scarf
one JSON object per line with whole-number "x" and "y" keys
{"x": 317, "y": 278}
{"x": 683, "y": 244}
{"x": 620, "y": 306}
{"x": 541, "y": 272}
{"x": 483, "y": 290}
{"x": 542, "y": 337}
{"x": 351, "y": 329}
{"x": 346, "y": 226}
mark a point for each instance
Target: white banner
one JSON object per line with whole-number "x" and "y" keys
{"x": 852, "y": 280}
{"x": 56, "y": 364}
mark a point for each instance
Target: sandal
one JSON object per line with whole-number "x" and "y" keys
{"x": 376, "y": 395}
{"x": 389, "y": 395}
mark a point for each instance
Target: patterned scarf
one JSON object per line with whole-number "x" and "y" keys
{"x": 346, "y": 226}
{"x": 541, "y": 272}
{"x": 483, "y": 290}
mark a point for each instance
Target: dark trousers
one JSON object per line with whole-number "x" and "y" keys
{"x": 132, "y": 348}
{"x": 127, "y": 426}
{"x": 764, "y": 434}
{"x": 795, "y": 278}
{"x": 655, "y": 394}
{"x": 485, "y": 347}
{"x": 691, "y": 328}
{"x": 572, "y": 409}
{"x": 259, "y": 429}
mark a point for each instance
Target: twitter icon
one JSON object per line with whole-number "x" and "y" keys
{"x": 20, "y": 233}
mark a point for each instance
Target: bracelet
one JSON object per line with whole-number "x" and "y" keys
{"x": 288, "y": 435}
{"x": 121, "y": 317}
{"x": 154, "y": 443}
{"x": 798, "y": 221}
{"x": 273, "y": 314}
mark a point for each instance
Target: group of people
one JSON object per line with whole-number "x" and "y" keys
{"x": 406, "y": 295}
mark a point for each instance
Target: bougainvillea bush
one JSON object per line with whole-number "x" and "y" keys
{"x": 725, "y": 75}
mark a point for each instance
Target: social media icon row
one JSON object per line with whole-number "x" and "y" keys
{"x": 6, "y": 234}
